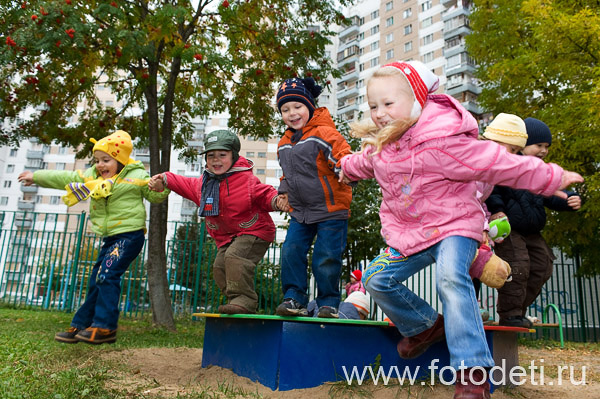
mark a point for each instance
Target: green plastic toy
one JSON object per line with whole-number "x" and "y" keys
{"x": 499, "y": 229}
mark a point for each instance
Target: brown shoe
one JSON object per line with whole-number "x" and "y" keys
{"x": 231, "y": 308}
{"x": 97, "y": 336}
{"x": 68, "y": 337}
{"x": 411, "y": 347}
{"x": 472, "y": 388}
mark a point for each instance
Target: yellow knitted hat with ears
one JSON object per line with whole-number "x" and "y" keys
{"x": 508, "y": 129}
{"x": 118, "y": 145}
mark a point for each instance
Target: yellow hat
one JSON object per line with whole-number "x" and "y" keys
{"x": 118, "y": 145}
{"x": 508, "y": 129}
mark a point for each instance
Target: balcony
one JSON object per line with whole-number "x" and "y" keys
{"x": 28, "y": 206}
{"x": 462, "y": 30}
{"x": 21, "y": 241}
{"x": 349, "y": 92}
{"x": 344, "y": 109}
{"x": 144, "y": 158}
{"x": 29, "y": 189}
{"x": 460, "y": 68}
{"x": 463, "y": 87}
{"x": 185, "y": 211}
{"x": 31, "y": 154}
{"x": 349, "y": 31}
{"x": 349, "y": 76}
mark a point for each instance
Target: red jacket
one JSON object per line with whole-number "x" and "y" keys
{"x": 244, "y": 203}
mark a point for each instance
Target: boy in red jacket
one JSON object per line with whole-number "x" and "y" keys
{"x": 236, "y": 206}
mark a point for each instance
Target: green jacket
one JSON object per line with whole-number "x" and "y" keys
{"x": 123, "y": 211}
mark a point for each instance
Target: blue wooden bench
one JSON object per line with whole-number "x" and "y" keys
{"x": 302, "y": 352}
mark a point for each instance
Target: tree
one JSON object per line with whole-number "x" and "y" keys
{"x": 168, "y": 62}
{"x": 540, "y": 58}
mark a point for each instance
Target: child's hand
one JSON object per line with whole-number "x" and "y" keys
{"x": 26, "y": 178}
{"x": 498, "y": 216}
{"x": 343, "y": 178}
{"x": 568, "y": 178}
{"x": 283, "y": 203}
{"x": 574, "y": 201}
{"x": 156, "y": 183}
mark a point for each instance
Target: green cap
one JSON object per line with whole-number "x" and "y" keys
{"x": 222, "y": 140}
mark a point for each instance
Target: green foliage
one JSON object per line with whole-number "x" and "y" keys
{"x": 540, "y": 59}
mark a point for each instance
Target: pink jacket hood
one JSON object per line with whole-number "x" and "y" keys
{"x": 428, "y": 177}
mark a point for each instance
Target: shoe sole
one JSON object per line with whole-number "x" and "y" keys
{"x": 291, "y": 312}
{"x": 66, "y": 340}
{"x": 97, "y": 341}
{"x": 328, "y": 316}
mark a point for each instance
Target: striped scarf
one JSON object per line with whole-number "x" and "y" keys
{"x": 209, "y": 204}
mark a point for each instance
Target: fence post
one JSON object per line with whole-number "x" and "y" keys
{"x": 197, "y": 283}
{"x": 582, "y": 323}
{"x": 77, "y": 255}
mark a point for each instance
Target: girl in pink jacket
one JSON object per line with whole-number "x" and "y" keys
{"x": 423, "y": 150}
{"x": 236, "y": 206}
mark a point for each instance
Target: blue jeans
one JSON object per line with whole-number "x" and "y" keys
{"x": 101, "y": 306}
{"x": 412, "y": 315}
{"x": 326, "y": 260}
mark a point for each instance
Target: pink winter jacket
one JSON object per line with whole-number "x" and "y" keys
{"x": 244, "y": 203}
{"x": 428, "y": 177}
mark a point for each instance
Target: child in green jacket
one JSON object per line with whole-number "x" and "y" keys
{"x": 117, "y": 186}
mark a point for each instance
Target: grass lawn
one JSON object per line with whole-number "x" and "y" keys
{"x": 34, "y": 366}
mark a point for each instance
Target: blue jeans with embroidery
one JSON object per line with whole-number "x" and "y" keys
{"x": 101, "y": 306}
{"x": 384, "y": 279}
{"x": 326, "y": 260}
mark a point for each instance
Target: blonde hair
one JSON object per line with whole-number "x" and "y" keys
{"x": 366, "y": 129}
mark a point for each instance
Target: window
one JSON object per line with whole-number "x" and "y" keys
{"x": 10, "y": 168}
{"x": 3, "y": 200}
{"x": 389, "y": 22}
{"x": 389, "y": 6}
{"x": 55, "y": 200}
{"x": 375, "y": 29}
{"x": 7, "y": 183}
{"x": 408, "y": 46}
{"x": 13, "y": 152}
{"x": 361, "y": 21}
{"x": 60, "y": 166}
{"x": 406, "y": 13}
{"x": 361, "y": 35}
{"x": 360, "y": 83}
{"x": 389, "y": 38}
{"x": 428, "y": 39}
{"x": 428, "y": 57}
{"x": 51, "y": 217}
{"x": 453, "y": 61}
{"x": 389, "y": 54}
{"x": 260, "y": 171}
{"x": 262, "y": 154}
{"x": 375, "y": 14}
{"x": 408, "y": 29}
{"x": 361, "y": 67}
{"x": 250, "y": 154}
{"x": 38, "y": 199}
{"x": 62, "y": 150}
{"x": 360, "y": 99}
{"x": 427, "y": 22}
{"x": 109, "y": 103}
{"x": 374, "y": 45}
{"x": 426, "y": 6}
{"x": 374, "y": 62}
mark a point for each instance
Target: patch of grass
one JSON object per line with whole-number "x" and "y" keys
{"x": 545, "y": 343}
{"x": 34, "y": 366}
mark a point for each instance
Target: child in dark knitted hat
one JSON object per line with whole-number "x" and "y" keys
{"x": 309, "y": 153}
{"x": 525, "y": 249}
{"x": 236, "y": 206}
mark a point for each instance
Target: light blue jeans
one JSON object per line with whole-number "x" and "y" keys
{"x": 412, "y": 315}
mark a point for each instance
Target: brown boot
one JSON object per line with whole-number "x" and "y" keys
{"x": 230, "y": 308}
{"x": 472, "y": 388}
{"x": 411, "y": 347}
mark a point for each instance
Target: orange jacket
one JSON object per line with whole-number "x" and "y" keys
{"x": 310, "y": 166}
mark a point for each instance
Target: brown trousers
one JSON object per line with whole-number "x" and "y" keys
{"x": 530, "y": 259}
{"x": 233, "y": 269}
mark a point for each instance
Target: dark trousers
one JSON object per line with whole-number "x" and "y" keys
{"x": 233, "y": 269}
{"x": 531, "y": 260}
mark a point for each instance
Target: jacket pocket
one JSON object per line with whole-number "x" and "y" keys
{"x": 329, "y": 190}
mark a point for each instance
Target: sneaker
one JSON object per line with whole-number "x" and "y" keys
{"x": 68, "y": 337}
{"x": 291, "y": 307}
{"x": 328, "y": 312}
{"x": 97, "y": 336}
{"x": 472, "y": 388}
{"x": 515, "y": 321}
{"x": 231, "y": 308}
{"x": 411, "y": 347}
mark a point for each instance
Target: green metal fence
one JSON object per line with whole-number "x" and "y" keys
{"x": 46, "y": 258}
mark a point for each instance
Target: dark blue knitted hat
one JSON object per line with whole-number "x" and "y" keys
{"x": 301, "y": 90}
{"x": 537, "y": 132}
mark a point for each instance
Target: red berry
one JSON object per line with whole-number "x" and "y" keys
{"x": 198, "y": 57}
{"x": 225, "y": 4}
{"x": 33, "y": 17}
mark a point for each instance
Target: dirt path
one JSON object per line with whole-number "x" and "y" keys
{"x": 168, "y": 372}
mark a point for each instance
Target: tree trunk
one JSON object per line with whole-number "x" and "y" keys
{"x": 162, "y": 313}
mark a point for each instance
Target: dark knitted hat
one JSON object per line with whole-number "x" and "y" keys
{"x": 537, "y": 132}
{"x": 301, "y": 90}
